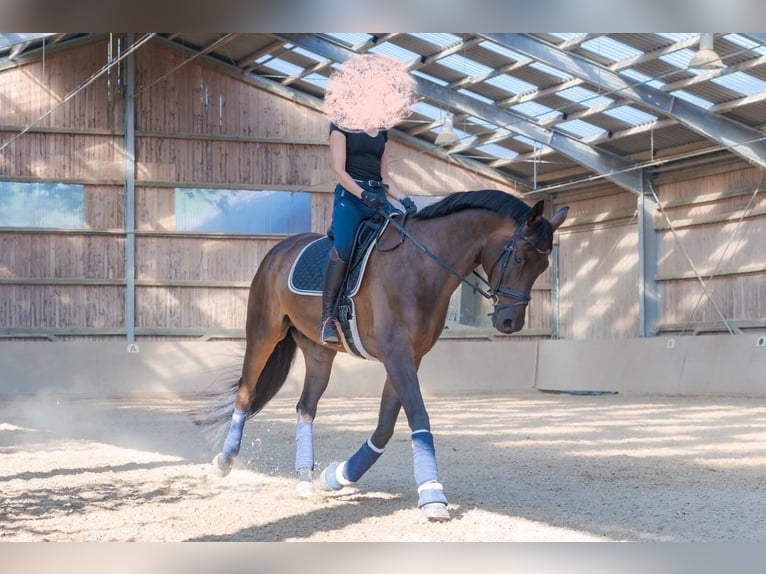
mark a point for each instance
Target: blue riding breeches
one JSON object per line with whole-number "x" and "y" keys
{"x": 348, "y": 212}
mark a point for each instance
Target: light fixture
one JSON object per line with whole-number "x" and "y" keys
{"x": 706, "y": 57}
{"x": 447, "y": 136}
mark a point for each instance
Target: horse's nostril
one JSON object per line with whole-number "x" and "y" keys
{"x": 507, "y": 326}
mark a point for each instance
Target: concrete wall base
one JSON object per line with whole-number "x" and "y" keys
{"x": 718, "y": 364}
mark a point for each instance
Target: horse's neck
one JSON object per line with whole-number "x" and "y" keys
{"x": 460, "y": 237}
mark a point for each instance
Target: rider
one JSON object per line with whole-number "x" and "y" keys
{"x": 359, "y": 161}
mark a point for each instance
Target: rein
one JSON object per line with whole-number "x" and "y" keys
{"x": 491, "y": 293}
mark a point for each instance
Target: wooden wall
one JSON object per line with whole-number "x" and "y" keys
{"x": 598, "y": 255}
{"x": 709, "y": 224}
{"x": 195, "y": 126}
{"x": 55, "y": 282}
{"x": 717, "y": 226}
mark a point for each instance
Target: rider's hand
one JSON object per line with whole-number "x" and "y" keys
{"x": 409, "y": 205}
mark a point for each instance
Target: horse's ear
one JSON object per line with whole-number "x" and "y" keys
{"x": 535, "y": 214}
{"x": 559, "y": 217}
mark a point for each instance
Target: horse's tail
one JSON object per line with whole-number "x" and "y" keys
{"x": 270, "y": 381}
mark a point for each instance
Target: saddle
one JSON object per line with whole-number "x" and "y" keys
{"x": 307, "y": 278}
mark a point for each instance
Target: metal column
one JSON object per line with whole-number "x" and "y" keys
{"x": 555, "y": 281}
{"x": 648, "y": 253}
{"x": 130, "y": 194}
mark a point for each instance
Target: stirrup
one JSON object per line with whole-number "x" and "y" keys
{"x": 328, "y": 332}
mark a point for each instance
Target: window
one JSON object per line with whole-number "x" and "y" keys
{"x": 242, "y": 211}
{"x": 42, "y": 204}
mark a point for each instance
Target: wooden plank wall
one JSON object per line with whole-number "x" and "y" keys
{"x": 196, "y": 126}
{"x": 67, "y": 283}
{"x": 599, "y": 265}
{"x": 718, "y": 229}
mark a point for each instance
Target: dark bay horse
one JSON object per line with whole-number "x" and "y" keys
{"x": 401, "y": 307}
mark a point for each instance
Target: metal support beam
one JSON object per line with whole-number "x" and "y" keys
{"x": 14, "y": 39}
{"x": 130, "y": 193}
{"x": 617, "y": 169}
{"x": 738, "y": 138}
{"x": 555, "y": 280}
{"x": 648, "y": 255}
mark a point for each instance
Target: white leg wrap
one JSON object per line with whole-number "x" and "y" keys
{"x": 431, "y": 485}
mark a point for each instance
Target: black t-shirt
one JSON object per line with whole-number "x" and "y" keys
{"x": 363, "y": 153}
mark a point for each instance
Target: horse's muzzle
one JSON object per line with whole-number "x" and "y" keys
{"x": 509, "y": 318}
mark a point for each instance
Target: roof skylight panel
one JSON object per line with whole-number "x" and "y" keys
{"x": 746, "y": 43}
{"x": 536, "y": 111}
{"x": 581, "y": 128}
{"x": 741, "y": 82}
{"x": 464, "y": 65}
{"x": 284, "y": 67}
{"x": 610, "y": 48}
{"x": 630, "y": 115}
{"x": 551, "y": 71}
{"x": 584, "y": 97}
{"x": 308, "y": 54}
{"x": 394, "y": 51}
{"x": 511, "y": 84}
{"x": 566, "y": 35}
{"x": 498, "y": 151}
{"x": 502, "y": 50}
{"x": 677, "y": 37}
{"x": 443, "y": 40}
{"x": 351, "y": 38}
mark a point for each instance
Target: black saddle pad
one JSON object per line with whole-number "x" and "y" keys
{"x": 307, "y": 274}
{"x": 308, "y": 270}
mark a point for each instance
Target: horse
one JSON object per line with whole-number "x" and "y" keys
{"x": 401, "y": 306}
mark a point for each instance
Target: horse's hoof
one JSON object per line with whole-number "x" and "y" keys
{"x": 305, "y": 486}
{"x": 304, "y": 489}
{"x": 333, "y": 484}
{"x": 436, "y": 511}
{"x": 221, "y": 466}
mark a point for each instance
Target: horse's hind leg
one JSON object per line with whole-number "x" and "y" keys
{"x": 267, "y": 361}
{"x": 337, "y": 475}
{"x": 319, "y": 359}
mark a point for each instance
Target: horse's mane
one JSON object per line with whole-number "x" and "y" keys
{"x": 492, "y": 199}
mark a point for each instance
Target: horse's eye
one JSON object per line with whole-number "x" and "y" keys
{"x": 517, "y": 259}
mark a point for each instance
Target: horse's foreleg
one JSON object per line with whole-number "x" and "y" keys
{"x": 337, "y": 475}
{"x": 431, "y": 498}
{"x": 319, "y": 359}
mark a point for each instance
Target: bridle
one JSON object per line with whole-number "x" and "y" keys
{"x": 493, "y": 292}
{"x": 522, "y": 297}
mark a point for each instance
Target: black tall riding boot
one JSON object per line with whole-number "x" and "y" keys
{"x": 333, "y": 278}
